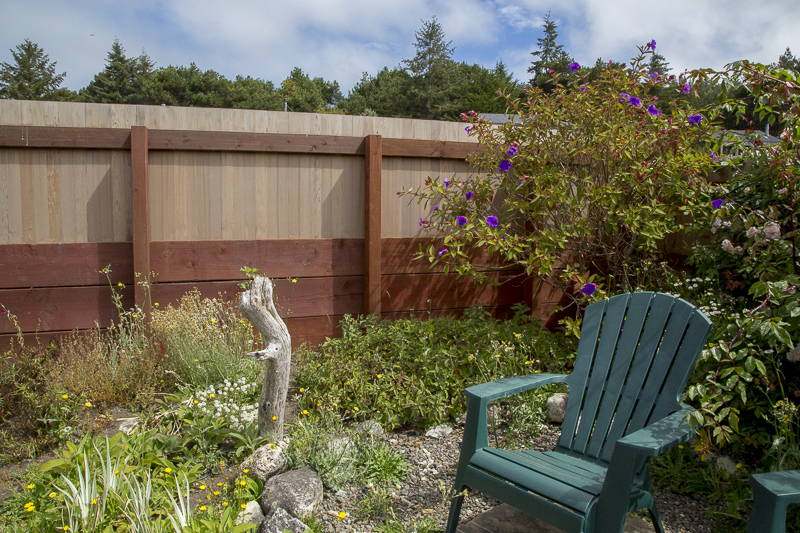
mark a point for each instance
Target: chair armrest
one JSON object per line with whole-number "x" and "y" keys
{"x": 493, "y": 390}
{"x": 660, "y": 436}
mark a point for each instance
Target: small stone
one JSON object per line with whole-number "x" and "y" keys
{"x": 128, "y": 425}
{"x": 557, "y": 407}
{"x": 252, "y": 514}
{"x": 439, "y": 432}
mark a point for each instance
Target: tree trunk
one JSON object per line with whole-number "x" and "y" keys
{"x": 257, "y": 306}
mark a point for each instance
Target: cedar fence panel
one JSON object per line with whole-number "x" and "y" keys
{"x": 192, "y": 195}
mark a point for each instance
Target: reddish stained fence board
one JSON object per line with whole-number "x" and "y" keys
{"x": 397, "y": 257}
{"x": 447, "y": 291}
{"x": 222, "y": 260}
{"x": 61, "y": 308}
{"x": 59, "y": 265}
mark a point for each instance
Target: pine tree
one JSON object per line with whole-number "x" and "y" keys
{"x": 32, "y": 76}
{"x": 789, "y": 61}
{"x": 122, "y": 80}
{"x": 551, "y": 56}
{"x": 432, "y": 49}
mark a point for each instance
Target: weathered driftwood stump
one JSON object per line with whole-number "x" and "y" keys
{"x": 257, "y": 306}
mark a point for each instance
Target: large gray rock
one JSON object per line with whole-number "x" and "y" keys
{"x": 251, "y": 514}
{"x": 372, "y": 428}
{"x": 279, "y": 521}
{"x": 299, "y": 492}
{"x": 557, "y": 407}
{"x": 266, "y": 462}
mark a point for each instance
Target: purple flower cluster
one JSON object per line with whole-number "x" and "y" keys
{"x": 719, "y": 202}
{"x": 589, "y": 289}
{"x": 635, "y": 102}
{"x": 653, "y": 110}
{"x": 468, "y": 195}
{"x": 505, "y": 165}
{"x": 574, "y": 66}
{"x": 492, "y": 221}
{"x": 695, "y": 119}
{"x": 461, "y": 220}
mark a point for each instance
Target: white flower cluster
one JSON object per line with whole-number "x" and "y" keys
{"x": 227, "y": 401}
{"x": 719, "y": 223}
{"x": 730, "y": 248}
{"x": 770, "y": 231}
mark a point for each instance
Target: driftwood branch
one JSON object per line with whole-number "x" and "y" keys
{"x": 257, "y": 306}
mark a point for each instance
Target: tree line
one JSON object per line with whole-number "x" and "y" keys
{"x": 431, "y": 85}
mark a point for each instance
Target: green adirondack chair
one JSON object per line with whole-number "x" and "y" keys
{"x": 772, "y": 494}
{"x": 634, "y": 357}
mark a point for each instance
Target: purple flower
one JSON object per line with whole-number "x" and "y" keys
{"x": 589, "y": 289}
{"x": 492, "y": 221}
{"x": 654, "y": 76}
{"x": 624, "y": 97}
{"x": 653, "y": 44}
{"x": 505, "y": 165}
{"x": 695, "y": 119}
{"x": 653, "y": 110}
{"x": 686, "y": 88}
{"x": 466, "y": 129}
{"x": 442, "y": 252}
{"x": 635, "y": 102}
{"x": 461, "y": 220}
{"x": 719, "y": 202}
{"x": 446, "y": 183}
{"x": 512, "y": 150}
{"x": 468, "y": 195}
{"x": 435, "y": 208}
{"x": 421, "y": 222}
{"x": 714, "y": 157}
{"x": 574, "y": 66}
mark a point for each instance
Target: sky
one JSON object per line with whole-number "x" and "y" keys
{"x": 339, "y": 40}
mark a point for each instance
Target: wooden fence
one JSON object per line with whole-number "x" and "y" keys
{"x": 192, "y": 195}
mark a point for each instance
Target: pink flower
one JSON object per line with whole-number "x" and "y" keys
{"x": 772, "y": 231}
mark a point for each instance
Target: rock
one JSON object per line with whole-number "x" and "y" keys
{"x": 251, "y": 514}
{"x": 727, "y": 464}
{"x": 371, "y": 428}
{"x": 439, "y": 431}
{"x": 557, "y": 407}
{"x": 279, "y": 521}
{"x": 299, "y": 492}
{"x": 266, "y": 462}
{"x": 128, "y": 425}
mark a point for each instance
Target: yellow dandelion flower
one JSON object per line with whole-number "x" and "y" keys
{"x": 29, "y": 504}
{"x": 294, "y": 281}
{"x": 213, "y": 320}
{"x": 274, "y": 417}
{"x": 31, "y": 509}
{"x": 94, "y": 501}
{"x": 52, "y": 495}
{"x": 224, "y": 504}
{"x": 31, "y": 486}
{"x": 302, "y": 390}
{"x": 88, "y": 404}
{"x": 134, "y": 316}
{"x": 271, "y": 446}
{"x": 211, "y": 396}
{"x": 219, "y": 484}
{"x": 243, "y": 506}
{"x": 65, "y": 528}
{"x": 246, "y": 470}
{"x": 216, "y": 493}
{"x": 304, "y": 412}
{"x": 120, "y": 284}
{"x": 156, "y": 304}
{"x": 167, "y": 470}
{"x": 195, "y": 402}
{"x": 65, "y": 396}
{"x": 518, "y": 335}
{"x": 342, "y": 515}
{"x": 380, "y": 376}
{"x": 202, "y": 487}
{"x": 355, "y": 408}
{"x": 243, "y": 483}
{"x": 202, "y": 507}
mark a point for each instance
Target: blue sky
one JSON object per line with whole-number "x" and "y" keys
{"x": 341, "y": 39}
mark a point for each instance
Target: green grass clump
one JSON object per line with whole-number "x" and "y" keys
{"x": 413, "y": 372}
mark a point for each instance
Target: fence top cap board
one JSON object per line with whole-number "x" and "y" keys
{"x": 89, "y": 115}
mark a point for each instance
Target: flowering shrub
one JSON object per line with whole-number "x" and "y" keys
{"x": 235, "y": 402}
{"x": 748, "y": 382}
{"x": 591, "y": 177}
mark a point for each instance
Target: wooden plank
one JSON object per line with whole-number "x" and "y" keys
{"x": 55, "y": 137}
{"x": 62, "y": 308}
{"x": 313, "y": 330}
{"x": 56, "y": 265}
{"x": 372, "y": 224}
{"x": 446, "y": 291}
{"x": 140, "y": 214}
{"x": 429, "y": 149}
{"x": 254, "y": 142}
{"x": 397, "y": 257}
{"x": 305, "y": 297}
{"x": 176, "y": 261}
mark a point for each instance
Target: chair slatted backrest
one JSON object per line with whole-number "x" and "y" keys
{"x": 634, "y": 357}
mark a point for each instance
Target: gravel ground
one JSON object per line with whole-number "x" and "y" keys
{"x": 432, "y": 468}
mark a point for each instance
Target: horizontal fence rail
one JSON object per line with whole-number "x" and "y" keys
{"x": 186, "y": 208}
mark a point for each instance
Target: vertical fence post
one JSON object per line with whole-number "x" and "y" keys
{"x": 140, "y": 218}
{"x": 372, "y": 224}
